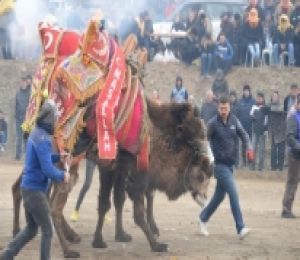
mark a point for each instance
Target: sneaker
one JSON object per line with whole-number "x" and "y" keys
{"x": 244, "y": 232}
{"x": 75, "y": 216}
{"x": 203, "y": 228}
{"x": 287, "y": 214}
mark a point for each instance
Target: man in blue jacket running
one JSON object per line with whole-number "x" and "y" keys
{"x": 39, "y": 169}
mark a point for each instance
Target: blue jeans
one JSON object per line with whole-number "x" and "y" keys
{"x": 254, "y": 49}
{"x": 206, "y": 63}
{"x": 290, "y": 50}
{"x": 225, "y": 184}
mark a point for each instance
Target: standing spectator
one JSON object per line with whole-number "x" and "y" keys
{"x": 220, "y": 85}
{"x": 253, "y": 35}
{"x": 179, "y": 94}
{"x": 290, "y": 100}
{"x": 284, "y": 7}
{"x": 223, "y": 53}
{"x": 223, "y": 132}
{"x": 207, "y": 54}
{"x": 245, "y": 105}
{"x": 297, "y": 45}
{"x": 254, "y": 4}
{"x": 295, "y": 15}
{"x": 89, "y": 172}
{"x": 277, "y": 132}
{"x": 259, "y": 115}
{"x": 209, "y": 108}
{"x": 293, "y": 143}
{"x": 22, "y": 99}
{"x": 3, "y": 132}
{"x": 283, "y": 40}
{"x": 39, "y": 169}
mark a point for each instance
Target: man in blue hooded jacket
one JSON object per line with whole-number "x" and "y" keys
{"x": 39, "y": 169}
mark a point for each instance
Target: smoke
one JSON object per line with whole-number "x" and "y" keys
{"x": 24, "y": 30}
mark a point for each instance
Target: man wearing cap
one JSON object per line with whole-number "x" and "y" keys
{"x": 21, "y": 103}
{"x": 39, "y": 169}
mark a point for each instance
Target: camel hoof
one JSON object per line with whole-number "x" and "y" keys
{"x": 71, "y": 254}
{"x": 123, "y": 237}
{"x": 74, "y": 239}
{"x": 99, "y": 244}
{"x": 160, "y": 247}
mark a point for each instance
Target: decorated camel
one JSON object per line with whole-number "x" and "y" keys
{"x": 105, "y": 116}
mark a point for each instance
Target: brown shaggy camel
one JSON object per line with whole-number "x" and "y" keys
{"x": 178, "y": 163}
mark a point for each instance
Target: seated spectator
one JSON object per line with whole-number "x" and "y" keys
{"x": 179, "y": 94}
{"x": 223, "y": 53}
{"x": 253, "y": 35}
{"x": 295, "y": 15}
{"x": 277, "y": 132}
{"x": 259, "y": 113}
{"x": 220, "y": 85}
{"x": 227, "y": 26}
{"x": 283, "y": 40}
{"x": 189, "y": 49}
{"x": 207, "y": 46}
{"x": 284, "y": 7}
{"x": 3, "y": 132}
{"x": 269, "y": 8}
{"x": 255, "y": 4}
{"x": 236, "y": 41}
{"x": 209, "y": 108}
{"x": 191, "y": 20}
{"x": 297, "y": 45}
{"x": 178, "y": 25}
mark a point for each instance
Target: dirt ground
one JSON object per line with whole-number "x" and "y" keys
{"x": 271, "y": 238}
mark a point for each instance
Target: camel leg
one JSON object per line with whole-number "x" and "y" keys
{"x": 69, "y": 232}
{"x": 107, "y": 178}
{"x": 58, "y": 202}
{"x": 119, "y": 200}
{"x": 17, "y": 198}
{"x": 150, "y": 215}
{"x": 136, "y": 187}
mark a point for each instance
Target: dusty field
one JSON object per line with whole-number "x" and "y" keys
{"x": 271, "y": 237}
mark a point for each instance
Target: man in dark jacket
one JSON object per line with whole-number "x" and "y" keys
{"x": 223, "y": 132}
{"x": 38, "y": 170}
{"x": 277, "y": 132}
{"x": 293, "y": 143}
{"x": 220, "y": 85}
{"x": 259, "y": 114}
{"x": 22, "y": 99}
{"x": 209, "y": 108}
{"x": 245, "y": 105}
{"x": 295, "y": 15}
{"x": 290, "y": 100}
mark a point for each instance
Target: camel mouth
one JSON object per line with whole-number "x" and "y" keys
{"x": 201, "y": 199}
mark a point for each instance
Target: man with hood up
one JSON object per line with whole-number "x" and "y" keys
{"x": 39, "y": 169}
{"x": 179, "y": 94}
{"x": 220, "y": 85}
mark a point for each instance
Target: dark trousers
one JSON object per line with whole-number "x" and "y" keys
{"x": 19, "y": 139}
{"x": 225, "y": 65}
{"x": 89, "y": 172}
{"x": 277, "y": 155}
{"x": 37, "y": 215}
{"x": 291, "y": 183}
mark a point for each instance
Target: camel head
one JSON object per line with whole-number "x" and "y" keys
{"x": 181, "y": 124}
